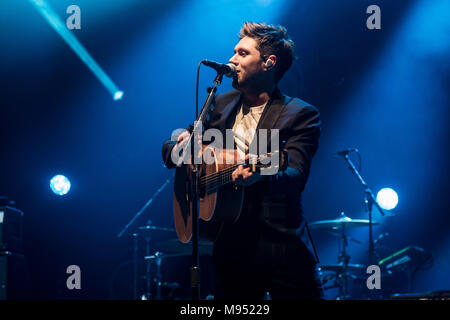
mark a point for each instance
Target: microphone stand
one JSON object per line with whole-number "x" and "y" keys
{"x": 369, "y": 200}
{"x": 195, "y": 270}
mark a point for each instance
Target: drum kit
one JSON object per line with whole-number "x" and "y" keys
{"x": 397, "y": 269}
{"x": 161, "y": 244}
{"x": 333, "y": 276}
{"x": 340, "y": 275}
{"x": 149, "y": 282}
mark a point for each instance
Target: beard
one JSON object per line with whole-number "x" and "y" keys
{"x": 235, "y": 83}
{"x": 246, "y": 83}
{"x": 241, "y": 84}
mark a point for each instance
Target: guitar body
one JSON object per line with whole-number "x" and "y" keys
{"x": 217, "y": 205}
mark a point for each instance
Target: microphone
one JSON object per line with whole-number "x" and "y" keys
{"x": 346, "y": 151}
{"x": 227, "y": 69}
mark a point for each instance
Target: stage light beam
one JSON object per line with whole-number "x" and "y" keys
{"x": 55, "y": 22}
{"x": 60, "y": 185}
{"x": 387, "y": 198}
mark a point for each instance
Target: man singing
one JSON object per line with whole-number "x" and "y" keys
{"x": 263, "y": 250}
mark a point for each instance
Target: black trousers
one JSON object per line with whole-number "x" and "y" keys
{"x": 285, "y": 269}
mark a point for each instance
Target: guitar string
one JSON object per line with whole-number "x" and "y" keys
{"x": 216, "y": 179}
{"x": 221, "y": 173}
{"x": 217, "y": 175}
{"x": 219, "y": 178}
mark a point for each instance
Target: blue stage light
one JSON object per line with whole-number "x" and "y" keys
{"x": 118, "y": 95}
{"x": 387, "y": 198}
{"x": 60, "y": 185}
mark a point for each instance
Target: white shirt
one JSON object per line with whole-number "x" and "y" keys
{"x": 244, "y": 127}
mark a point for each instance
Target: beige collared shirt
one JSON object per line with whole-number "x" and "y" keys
{"x": 245, "y": 125}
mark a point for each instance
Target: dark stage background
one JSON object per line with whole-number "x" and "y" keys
{"x": 383, "y": 91}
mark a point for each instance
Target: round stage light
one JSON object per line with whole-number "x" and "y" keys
{"x": 387, "y": 198}
{"x": 118, "y": 95}
{"x": 60, "y": 185}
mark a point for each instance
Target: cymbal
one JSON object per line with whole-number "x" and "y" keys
{"x": 342, "y": 222}
{"x": 174, "y": 247}
{"x": 153, "y": 229}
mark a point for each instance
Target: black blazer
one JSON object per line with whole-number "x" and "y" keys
{"x": 271, "y": 206}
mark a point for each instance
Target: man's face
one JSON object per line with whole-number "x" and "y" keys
{"x": 249, "y": 64}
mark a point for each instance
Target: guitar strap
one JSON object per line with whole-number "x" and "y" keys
{"x": 312, "y": 243}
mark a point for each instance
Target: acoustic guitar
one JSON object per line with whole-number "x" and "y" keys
{"x": 220, "y": 201}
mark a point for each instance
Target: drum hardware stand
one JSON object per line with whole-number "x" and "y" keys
{"x": 343, "y": 259}
{"x": 135, "y": 265}
{"x": 148, "y": 276}
{"x": 157, "y": 257}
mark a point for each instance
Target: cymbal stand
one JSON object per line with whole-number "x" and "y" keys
{"x": 158, "y": 279}
{"x": 148, "y": 276}
{"x": 157, "y": 257}
{"x": 135, "y": 265}
{"x": 343, "y": 259}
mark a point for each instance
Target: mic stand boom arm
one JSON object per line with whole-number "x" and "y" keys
{"x": 369, "y": 200}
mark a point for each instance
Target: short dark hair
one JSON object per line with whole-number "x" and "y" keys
{"x": 274, "y": 40}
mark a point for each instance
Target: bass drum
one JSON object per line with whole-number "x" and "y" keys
{"x": 334, "y": 281}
